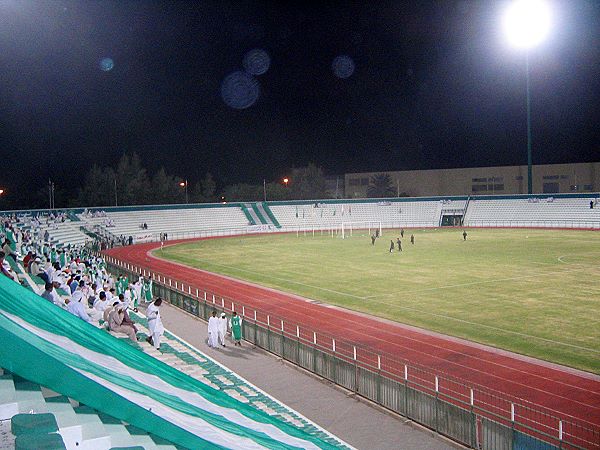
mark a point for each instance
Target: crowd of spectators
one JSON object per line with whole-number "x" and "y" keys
{"x": 75, "y": 278}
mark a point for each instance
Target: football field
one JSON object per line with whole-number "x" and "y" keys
{"x": 535, "y": 292}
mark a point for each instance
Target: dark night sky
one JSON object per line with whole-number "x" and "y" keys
{"x": 435, "y": 86}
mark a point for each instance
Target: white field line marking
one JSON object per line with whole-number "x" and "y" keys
{"x": 283, "y": 279}
{"x": 472, "y": 283}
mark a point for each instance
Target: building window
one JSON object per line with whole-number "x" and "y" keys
{"x": 354, "y": 182}
{"x": 496, "y": 179}
{"x": 479, "y": 188}
{"x": 364, "y": 181}
{"x": 551, "y": 188}
{"x": 551, "y": 177}
{"x": 479, "y": 180}
{"x": 564, "y": 177}
{"x": 519, "y": 178}
{"x": 588, "y": 187}
{"x": 574, "y": 188}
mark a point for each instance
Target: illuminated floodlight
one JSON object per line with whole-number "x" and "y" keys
{"x": 182, "y": 184}
{"x": 286, "y": 181}
{"x": 527, "y": 22}
{"x": 1, "y": 191}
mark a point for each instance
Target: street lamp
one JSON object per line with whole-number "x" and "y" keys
{"x": 526, "y": 23}
{"x": 184, "y": 184}
{"x": 286, "y": 181}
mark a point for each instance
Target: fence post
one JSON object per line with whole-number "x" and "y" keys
{"x": 379, "y": 379}
{"x": 268, "y": 332}
{"x": 334, "y": 368}
{"x": 314, "y": 352}
{"x": 473, "y": 421}
{"x": 355, "y": 370}
{"x": 282, "y": 339}
{"x": 298, "y": 345}
{"x": 255, "y": 327}
{"x": 512, "y": 420}
{"x": 437, "y": 403}
{"x": 406, "y": 390}
{"x": 560, "y": 434}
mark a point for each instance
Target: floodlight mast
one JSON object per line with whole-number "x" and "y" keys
{"x": 527, "y": 23}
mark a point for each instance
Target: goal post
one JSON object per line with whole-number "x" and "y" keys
{"x": 348, "y": 228}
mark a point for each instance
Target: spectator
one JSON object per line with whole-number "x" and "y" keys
{"x": 222, "y": 329}
{"x": 47, "y": 294}
{"x": 155, "y": 323}
{"x": 76, "y": 308}
{"x": 3, "y": 268}
{"x": 116, "y": 324}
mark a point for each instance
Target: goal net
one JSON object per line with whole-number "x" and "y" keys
{"x": 348, "y": 229}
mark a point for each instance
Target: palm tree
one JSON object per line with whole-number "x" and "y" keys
{"x": 380, "y": 186}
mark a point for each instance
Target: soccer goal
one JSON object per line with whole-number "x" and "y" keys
{"x": 348, "y": 228}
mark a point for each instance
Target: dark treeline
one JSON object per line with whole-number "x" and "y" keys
{"x": 130, "y": 183}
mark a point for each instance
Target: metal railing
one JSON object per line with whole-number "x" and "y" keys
{"x": 573, "y": 224}
{"x": 473, "y": 415}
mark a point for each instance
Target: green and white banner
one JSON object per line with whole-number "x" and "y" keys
{"x": 51, "y": 347}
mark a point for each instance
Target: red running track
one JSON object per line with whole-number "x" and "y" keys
{"x": 565, "y": 391}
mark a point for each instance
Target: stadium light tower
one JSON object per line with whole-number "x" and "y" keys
{"x": 184, "y": 184}
{"x": 527, "y": 23}
{"x": 286, "y": 180}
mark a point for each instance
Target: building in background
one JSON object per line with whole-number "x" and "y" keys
{"x": 547, "y": 179}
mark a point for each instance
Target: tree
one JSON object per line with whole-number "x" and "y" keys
{"x": 204, "y": 191}
{"x": 209, "y": 187}
{"x": 165, "y": 188}
{"x": 98, "y": 187}
{"x": 308, "y": 183}
{"x": 380, "y": 186}
{"x": 243, "y": 192}
{"x": 276, "y": 191}
{"x": 133, "y": 187}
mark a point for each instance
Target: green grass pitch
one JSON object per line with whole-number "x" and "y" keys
{"x": 535, "y": 292}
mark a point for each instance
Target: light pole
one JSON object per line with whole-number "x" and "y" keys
{"x": 526, "y": 23}
{"x": 286, "y": 180}
{"x": 184, "y": 184}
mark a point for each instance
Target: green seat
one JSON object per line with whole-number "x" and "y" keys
{"x": 51, "y": 441}
{"x": 33, "y": 424}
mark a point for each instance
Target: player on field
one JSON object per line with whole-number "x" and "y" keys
{"x": 399, "y": 242}
{"x": 391, "y": 246}
{"x": 464, "y": 235}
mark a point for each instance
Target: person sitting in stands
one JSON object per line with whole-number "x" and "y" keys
{"x": 8, "y": 251}
{"x": 101, "y": 303}
{"x": 5, "y": 270}
{"x": 76, "y": 307}
{"x": 47, "y": 294}
{"x": 115, "y": 322}
{"x": 27, "y": 258}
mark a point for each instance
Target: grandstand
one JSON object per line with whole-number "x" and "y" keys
{"x": 187, "y": 221}
{"x": 536, "y": 211}
{"x": 174, "y": 221}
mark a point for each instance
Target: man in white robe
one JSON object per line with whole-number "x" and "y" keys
{"x": 222, "y": 329}
{"x": 154, "y": 323}
{"x": 213, "y": 330}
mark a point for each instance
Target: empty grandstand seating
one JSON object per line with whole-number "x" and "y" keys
{"x": 391, "y": 214}
{"x": 548, "y": 212}
{"x": 180, "y": 222}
